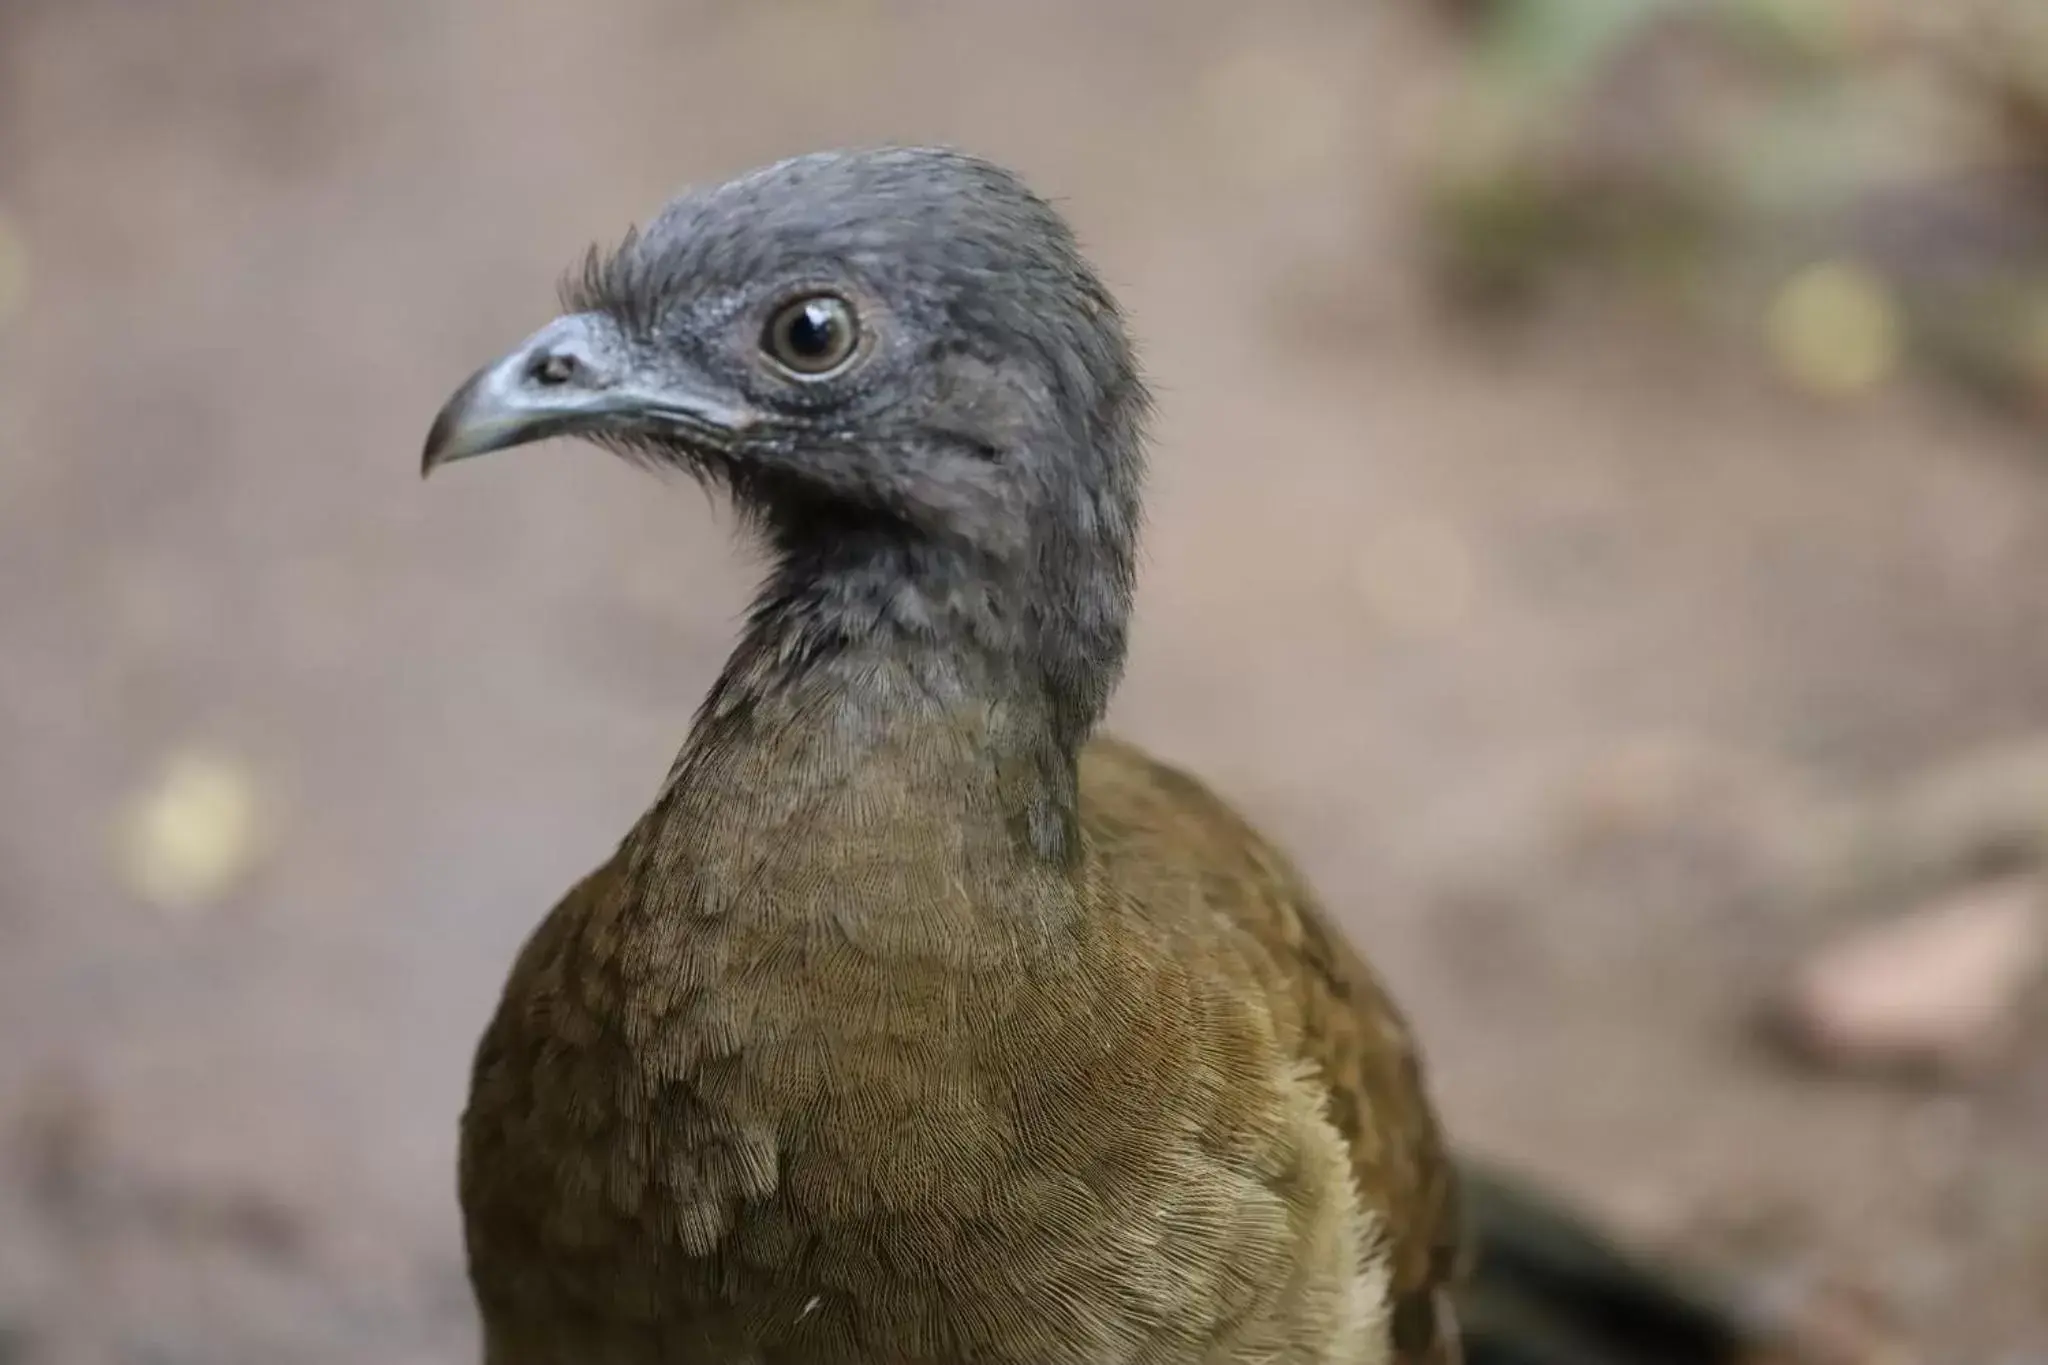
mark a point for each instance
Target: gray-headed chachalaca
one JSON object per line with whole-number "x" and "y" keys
{"x": 913, "y": 1023}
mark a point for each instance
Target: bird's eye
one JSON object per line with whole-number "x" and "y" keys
{"x": 812, "y": 336}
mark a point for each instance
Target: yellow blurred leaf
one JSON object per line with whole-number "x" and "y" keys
{"x": 191, "y": 834}
{"x": 1834, "y": 329}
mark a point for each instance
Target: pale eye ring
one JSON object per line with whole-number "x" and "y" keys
{"x": 812, "y": 336}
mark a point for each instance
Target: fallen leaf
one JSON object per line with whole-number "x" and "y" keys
{"x": 190, "y": 835}
{"x": 1834, "y": 329}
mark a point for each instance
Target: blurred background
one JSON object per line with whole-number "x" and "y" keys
{"x": 1599, "y": 523}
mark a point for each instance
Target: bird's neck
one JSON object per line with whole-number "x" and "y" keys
{"x": 891, "y": 710}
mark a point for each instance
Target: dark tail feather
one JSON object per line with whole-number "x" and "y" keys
{"x": 1546, "y": 1289}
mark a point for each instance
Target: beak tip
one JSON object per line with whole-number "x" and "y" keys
{"x": 441, "y": 439}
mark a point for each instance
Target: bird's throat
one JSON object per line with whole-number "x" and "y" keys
{"x": 876, "y": 742}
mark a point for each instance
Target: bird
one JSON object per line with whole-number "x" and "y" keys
{"x": 915, "y": 1021}
{"x": 919, "y": 1019}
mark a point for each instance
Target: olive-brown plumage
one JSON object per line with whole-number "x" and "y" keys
{"x": 911, "y": 1023}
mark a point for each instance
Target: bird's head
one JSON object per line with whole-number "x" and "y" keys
{"x": 899, "y": 339}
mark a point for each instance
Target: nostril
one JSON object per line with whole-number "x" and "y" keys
{"x": 554, "y": 368}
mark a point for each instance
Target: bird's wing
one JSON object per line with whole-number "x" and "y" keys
{"x": 1335, "y": 1014}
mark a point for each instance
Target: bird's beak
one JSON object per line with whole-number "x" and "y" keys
{"x": 577, "y": 376}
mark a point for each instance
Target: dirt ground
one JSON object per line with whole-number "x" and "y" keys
{"x": 1541, "y": 653}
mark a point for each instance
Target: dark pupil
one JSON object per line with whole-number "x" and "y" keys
{"x": 813, "y": 332}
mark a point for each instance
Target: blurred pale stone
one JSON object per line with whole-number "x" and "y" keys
{"x": 1939, "y": 987}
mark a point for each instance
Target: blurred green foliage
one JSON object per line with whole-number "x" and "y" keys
{"x": 1719, "y": 153}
